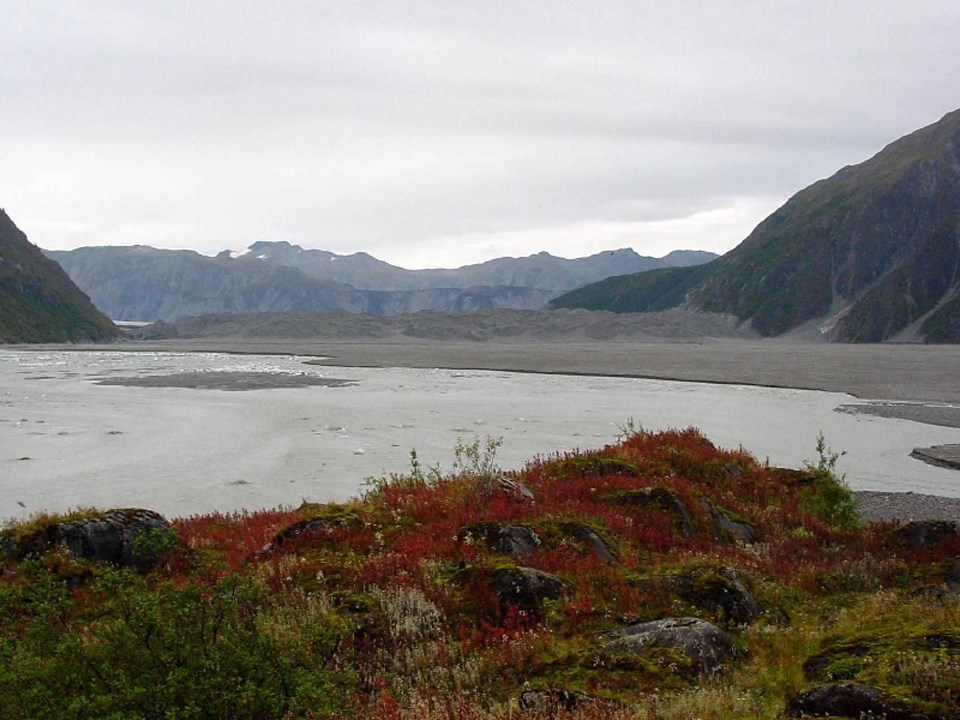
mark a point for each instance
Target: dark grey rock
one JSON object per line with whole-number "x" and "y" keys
{"x": 525, "y": 587}
{"x": 659, "y": 497}
{"x": 550, "y": 700}
{"x": 517, "y": 541}
{"x": 516, "y": 490}
{"x": 704, "y": 643}
{"x": 850, "y": 700}
{"x": 953, "y": 575}
{"x": 723, "y": 527}
{"x": 588, "y": 536}
{"x": 926, "y": 533}
{"x": 107, "y": 537}
{"x": 721, "y": 591}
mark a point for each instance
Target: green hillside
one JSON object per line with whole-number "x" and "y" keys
{"x": 865, "y": 253}
{"x": 38, "y": 302}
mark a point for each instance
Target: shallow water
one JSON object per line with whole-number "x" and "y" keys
{"x": 67, "y": 441}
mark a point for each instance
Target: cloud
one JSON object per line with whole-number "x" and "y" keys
{"x": 401, "y": 125}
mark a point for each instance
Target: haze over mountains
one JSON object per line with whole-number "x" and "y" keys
{"x": 869, "y": 254}
{"x": 141, "y": 283}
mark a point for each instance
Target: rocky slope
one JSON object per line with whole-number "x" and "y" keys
{"x": 147, "y": 284}
{"x": 869, "y": 254}
{"x": 39, "y": 302}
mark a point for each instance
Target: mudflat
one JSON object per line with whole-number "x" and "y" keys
{"x": 903, "y": 372}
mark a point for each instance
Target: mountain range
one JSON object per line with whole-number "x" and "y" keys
{"x": 38, "y": 302}
{"x": 869, "y": 254}
{"x": 141, "y": 283}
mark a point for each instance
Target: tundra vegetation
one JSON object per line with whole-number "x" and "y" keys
{"x": 659, "y": 577}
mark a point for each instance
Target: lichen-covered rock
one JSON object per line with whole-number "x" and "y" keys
{"x": 851, "y": 700}
{"x": 704, "y": 643}
{"x": 131, "y": 537}
{"x": 525, "y": 587}
{"x": 516, "y": 541}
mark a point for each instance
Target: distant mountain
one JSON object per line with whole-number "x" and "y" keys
{"x": 38, "y": 302}
{"x": 869, "y": 254}
{"x": 146, "y": 284}
{"x": 542, "y": 271}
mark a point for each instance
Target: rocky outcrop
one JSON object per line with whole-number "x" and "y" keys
{"x": 725, "y": 528}
{"x": 661, "y": 498}
{"x": 132, "y": 537}
{"x": 516, "y": 541}
{"x": 851, "y": 700}
{"x": 926, "y": 533}
{"x": 589, "y": 538}
{"x": 707, "y": 646}
{"x": 524, "y": 587}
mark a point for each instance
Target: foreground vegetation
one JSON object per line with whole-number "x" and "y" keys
{"x": 476, "y": 594}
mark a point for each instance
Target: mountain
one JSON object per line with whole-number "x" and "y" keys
{"x": 39, "y": 302}
{"x": 869, "y": 254}
{"x": 145, "y": 284}
{"x": 542, "y": 271}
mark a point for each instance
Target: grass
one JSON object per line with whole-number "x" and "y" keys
{"x": 383, "y": 607}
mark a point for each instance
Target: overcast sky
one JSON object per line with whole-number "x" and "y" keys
{"x": 443, "y": 133}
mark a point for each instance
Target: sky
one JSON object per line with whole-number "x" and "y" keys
{"x": 445, "y": 132}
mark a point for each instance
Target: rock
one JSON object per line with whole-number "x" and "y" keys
{"x": 953, "y": 575}
{"x": 725, "y": 528}
{"x": 721, "y": 591}
{"x": 516, "y": 490}
{"x": 517, "y": 541}
{"x": 586, "y": 535}
{"x": 704, "y": 643}
{"x": 118, "y": 537}
{"x": 316, "y": 527}
{"x": 525, "y": 587}
{"x": 550, "y": 700}
{"x": 834, "y": 663}
{"x": 850, "y": 700}
{"x": 926, "y": 533}
{"x": 662, "y": 498}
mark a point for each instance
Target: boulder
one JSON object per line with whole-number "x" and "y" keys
{"x": 953, "y": 575}
{"x": 662, "y": 498}
{"x": 926, "y": 533}
{"x": 525, "y": 587}
{"x": 850, "y": 700}
{"x": 723, "y": 527}
{"x": 516, "y": 541}
{"x": 720, "y": 591}
{"x": 549, "y": 701}
{"x": 320, "y": 527}
{"x": 515, "y": 490}
{"x": 130, "y": 537}
{"x": 704, "y": 643}
{"x": 590, "y": 538}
